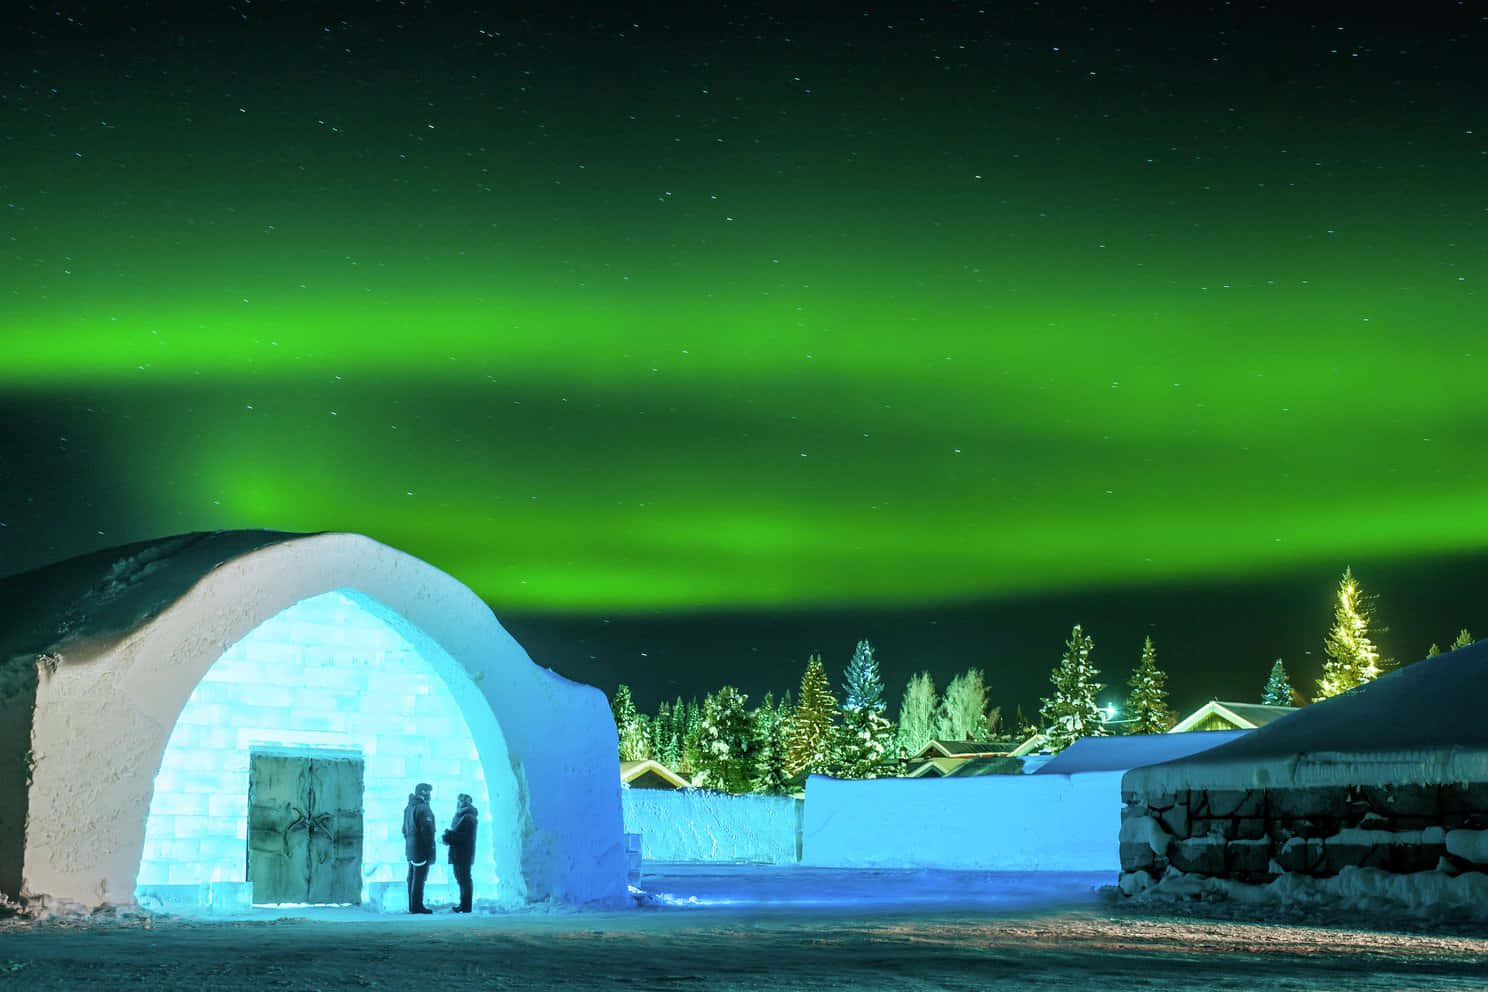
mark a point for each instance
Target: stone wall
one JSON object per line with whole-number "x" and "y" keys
{"x": 1256, "y": 836}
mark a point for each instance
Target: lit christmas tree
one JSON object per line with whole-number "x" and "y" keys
{"x": 1147, "y": 706}
{"x": 809, "y": 743}
{"x": 1352, "y": 658}
{"x": 1278, "y": 691}
{"x": 1071, "y": 713}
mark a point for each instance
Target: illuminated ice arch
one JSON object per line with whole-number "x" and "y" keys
{"x": 340, "y": 677}
{"x": 155, "y": 621}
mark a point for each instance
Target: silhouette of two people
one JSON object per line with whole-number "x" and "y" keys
{"x": 418, "y": 843}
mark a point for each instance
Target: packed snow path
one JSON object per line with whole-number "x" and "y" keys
{"x": 1046, "y": 937}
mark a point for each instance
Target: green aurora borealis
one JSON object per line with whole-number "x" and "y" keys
{"x": 600, "y": 318}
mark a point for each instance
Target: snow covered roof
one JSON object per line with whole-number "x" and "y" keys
{"x": 1113, "y": 754}
{"x": 1246, "y": 716}
{"x": 963, "y": 749}
{"x": 82, "y": 606}
{"x": 1419, "y": 724}
{"x": 631, "y": 771}
{"x": 993, "y": 765}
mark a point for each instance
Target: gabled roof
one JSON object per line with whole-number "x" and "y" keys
{"x": 997, "y": 765}
{"x": 963, "y": 749}
{"x": 1246, "y": 716}
{"x": 632, "y": 770}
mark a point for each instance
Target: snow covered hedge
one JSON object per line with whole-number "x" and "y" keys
{"x": 699, "y": 825}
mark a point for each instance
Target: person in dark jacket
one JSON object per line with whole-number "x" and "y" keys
{"x": 461, "y": 840}
{"x": 418, "y": 843}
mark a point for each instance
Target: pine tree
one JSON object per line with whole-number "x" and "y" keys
{"x": 661, "y": 732}
{"x": 1022, "y": 727}
{"x": 865, "y": 744}
{"x": 1278, "y": 691}
{"x": 726, "y": 744}
{"x": 1434, "y": 650}
{"x": 630, "y": 726}
{"x": 865, "y": 739}
{"x": 809, "y": 746}
{"x": 862, "y": 685}
{"x": 1352, "y": 658}
{"x": 691, "y": 736}
{"x": 1071, "y": 713}
{"x": 1147, "y": 706}
{"x": 963, "y": 709}
{"x": 769, "y": 763}
{"x": 1463, "y": 640}
{"x": 678, "y": 735}
{"x": 917, "y": 714}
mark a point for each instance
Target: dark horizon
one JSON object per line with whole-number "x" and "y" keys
{"x": 1215, "y": 640}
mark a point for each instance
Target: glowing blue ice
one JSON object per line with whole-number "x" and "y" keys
{"x": 339, "y": 672}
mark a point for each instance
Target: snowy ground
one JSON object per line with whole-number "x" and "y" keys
{"x": 722, "y": 927}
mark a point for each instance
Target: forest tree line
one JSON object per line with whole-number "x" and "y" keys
{"x": 722, "y": 743}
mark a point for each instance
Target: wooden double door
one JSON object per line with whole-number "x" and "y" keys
{"x": 305, "y": 828}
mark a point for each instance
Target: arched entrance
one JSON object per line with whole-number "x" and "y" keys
{"x": 149, "y": 622}
{"x": 328, "y": 712}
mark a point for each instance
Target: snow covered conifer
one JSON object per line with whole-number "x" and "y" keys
{"x": 809, "y": 744}
{"x": 660, "y": 727}
{"x": 962, "y": 715}
{"x": 1352, "y": 658}
{"x": 691, "y": 735}
{"x": 1278, "y": 691}
{"x": 769, "y": 733}
{"x": 1147, "y": 705}
{"x": 1071, "y": 713}
{"x": 917, "y": 714}
{"x": 726, "y": 745}
{"x": 865, "y": 741}
{"x": 673, "y": 755}
{"x": 862, "y": 685}
{"x": 629, "y": 726}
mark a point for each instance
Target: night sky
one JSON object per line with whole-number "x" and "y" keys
{"x": 698, "y": 339}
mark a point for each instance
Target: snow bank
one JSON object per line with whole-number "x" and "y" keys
{"x": 1044, "y": 822}
{"x": 1416, "y": 725}
{"x": 696, "y": 825}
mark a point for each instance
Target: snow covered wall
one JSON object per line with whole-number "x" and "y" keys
{"x": 990, "y": 823}
{"x": 105, "y": 651}
{"x": 699, "y": 825}
{"x": 1378, "y": 797}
